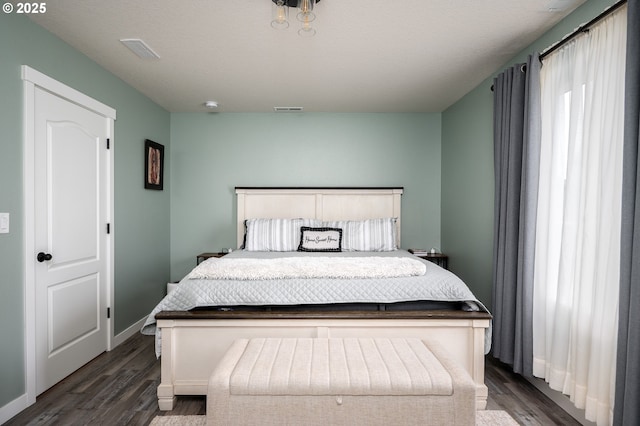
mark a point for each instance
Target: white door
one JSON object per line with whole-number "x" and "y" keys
{"x": 71, "y": 200}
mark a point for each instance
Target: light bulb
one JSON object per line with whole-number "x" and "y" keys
{"x": 280, "y": 15}
{"x": 306, "y": 6}
{"x": 306, "y": 10}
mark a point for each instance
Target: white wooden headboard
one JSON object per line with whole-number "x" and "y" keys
{"x": 317, "y": 203}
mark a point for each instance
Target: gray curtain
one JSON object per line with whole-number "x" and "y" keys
{"x": 627, "y": 403}
{"x": 516, "y": 159}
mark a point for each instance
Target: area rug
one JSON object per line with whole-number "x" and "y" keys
{"x": 483, "y": 418}
{"x": 179, "y": 421}
{"x": 494, "y": 417}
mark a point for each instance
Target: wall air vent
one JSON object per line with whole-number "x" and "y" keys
{"x": 140, "y": 48}
{"x": 288, "y": 109}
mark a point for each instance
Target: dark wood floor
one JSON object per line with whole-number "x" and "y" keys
{"x": 119, "y": 388}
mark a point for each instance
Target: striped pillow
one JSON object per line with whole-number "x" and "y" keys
{"x": 367, "y": 235}
{"x": 275, "y": 234}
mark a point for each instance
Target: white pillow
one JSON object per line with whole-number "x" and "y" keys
{"x": 275, "y": 234}
{"x": 367, "y": 235}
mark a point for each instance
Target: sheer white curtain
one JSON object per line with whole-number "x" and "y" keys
{"x": 576, "y": 274}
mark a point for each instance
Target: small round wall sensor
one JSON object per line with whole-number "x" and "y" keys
{"x": 211, "y": 104}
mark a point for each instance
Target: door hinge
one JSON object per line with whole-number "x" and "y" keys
{"x": 108, "y": 143}
{"x": 108, "y": 228}
{"x": 108, "y": 313}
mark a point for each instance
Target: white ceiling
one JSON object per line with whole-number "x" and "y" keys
{"x": 367, "y": 55}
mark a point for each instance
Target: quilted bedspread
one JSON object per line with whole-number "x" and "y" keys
{"x": 435, "y": 284}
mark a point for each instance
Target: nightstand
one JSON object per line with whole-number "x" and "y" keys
{"x": 199, "y": 259}
{"x": 204, "y": 256}
{"x": 439, "y": 259}
{"x": 442, "y": 260}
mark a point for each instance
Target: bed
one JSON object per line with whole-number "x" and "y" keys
{"x": 330, "y": 281}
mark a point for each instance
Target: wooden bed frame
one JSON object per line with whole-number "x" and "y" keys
{"x": 193, "y": 342}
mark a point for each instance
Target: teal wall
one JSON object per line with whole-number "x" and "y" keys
{"x": 467, "y": 168}
{"x": 467, "y": 190}
{"x": 213, "y": 153}
{"x": 141, "y": 222}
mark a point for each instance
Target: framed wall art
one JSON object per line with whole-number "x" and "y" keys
{"x": 153, "y": 165}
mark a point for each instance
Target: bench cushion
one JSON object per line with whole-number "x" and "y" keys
{"x": 351, "y": 381}
{"x": 339, "y": 367}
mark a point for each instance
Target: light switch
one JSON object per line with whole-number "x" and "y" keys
{"x": 4, "y": 223}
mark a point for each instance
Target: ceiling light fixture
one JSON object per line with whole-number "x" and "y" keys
{"x": 305, "y": 15}
{"x": 211, "y": 104}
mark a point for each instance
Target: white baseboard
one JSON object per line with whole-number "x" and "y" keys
{"x": 130, "y": 331}
{"x": 13, "y": 408}
{"x": 561, "y": 400}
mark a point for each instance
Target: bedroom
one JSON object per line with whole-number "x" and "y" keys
{"x": 446, "y": 170}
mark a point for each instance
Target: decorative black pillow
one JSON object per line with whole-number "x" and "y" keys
{"x": 320, "y": 239}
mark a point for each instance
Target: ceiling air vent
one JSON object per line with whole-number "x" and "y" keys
{"x": 140, "y": 48}
{"x": 288, "y": 109}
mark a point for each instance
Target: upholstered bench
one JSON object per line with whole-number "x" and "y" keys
{"x": 350, "y": 381}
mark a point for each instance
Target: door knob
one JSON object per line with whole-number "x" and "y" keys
{"x": 43, "y": 256}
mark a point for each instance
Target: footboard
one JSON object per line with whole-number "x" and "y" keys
{"x": 194, "y": 342}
